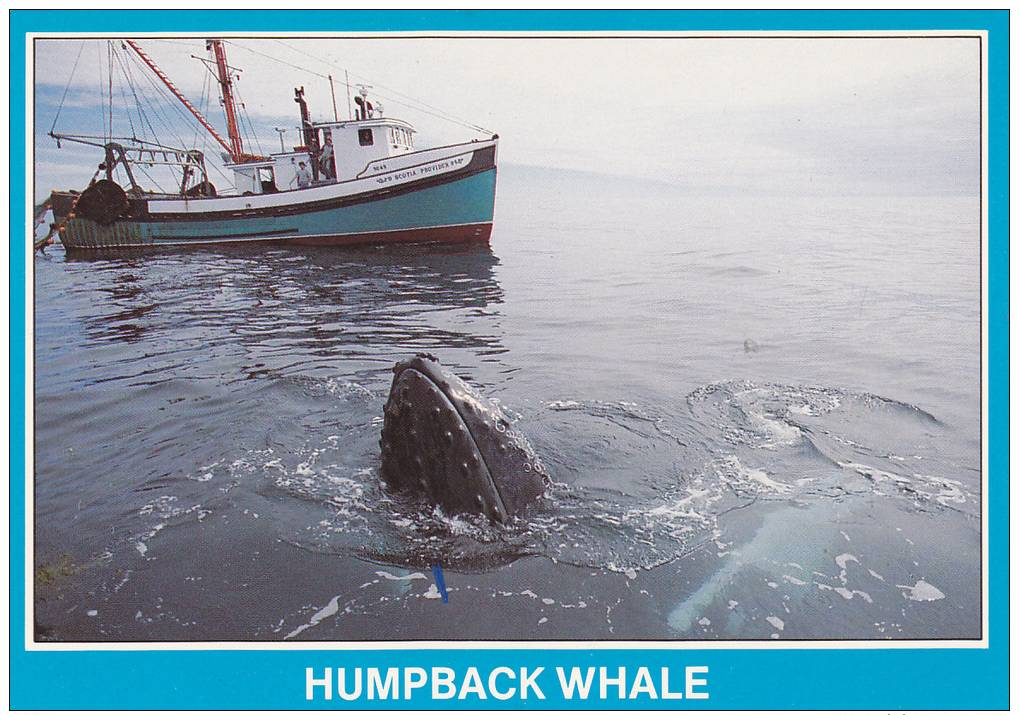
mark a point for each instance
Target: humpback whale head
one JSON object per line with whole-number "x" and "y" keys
{"x": 442, "y": 440}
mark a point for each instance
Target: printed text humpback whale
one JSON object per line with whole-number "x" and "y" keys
{"x": 441, "y": 439}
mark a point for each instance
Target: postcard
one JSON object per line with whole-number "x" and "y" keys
{"x": 509, "y": 360}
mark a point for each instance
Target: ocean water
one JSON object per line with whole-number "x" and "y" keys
{"x": 761, "y": 416}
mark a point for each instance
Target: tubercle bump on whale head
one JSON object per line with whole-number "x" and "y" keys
{"x": 442, "y": 440}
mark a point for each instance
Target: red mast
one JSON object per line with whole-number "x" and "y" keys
{"x": 226, "y": 89}
{"x": 235, "y": 148}
{"x": 176, "y": 93}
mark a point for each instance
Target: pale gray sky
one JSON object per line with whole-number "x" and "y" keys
{"x": 763, "y": 115}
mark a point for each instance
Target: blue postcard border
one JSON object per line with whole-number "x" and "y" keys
{"x": 929, "y": 678}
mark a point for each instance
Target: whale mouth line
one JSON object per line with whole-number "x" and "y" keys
{"x": 442, "y": 438}
{"x": 452, "y": 402}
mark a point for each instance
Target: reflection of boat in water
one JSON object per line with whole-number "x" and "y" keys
{"x": 290, "y": 309}
{"x": 354, "y": 181}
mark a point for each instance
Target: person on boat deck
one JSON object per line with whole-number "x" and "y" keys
{"x": 303, "y": 176}
{"x": 325, "y": 159}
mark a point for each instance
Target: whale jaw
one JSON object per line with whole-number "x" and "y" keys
{"x": 443, "y": 441}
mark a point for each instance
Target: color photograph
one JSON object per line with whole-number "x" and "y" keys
{"x": 513, "y": 337}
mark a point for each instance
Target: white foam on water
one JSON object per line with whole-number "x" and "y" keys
{"x": 739, "y": 476}
{"x": 393, "y": 577}
{"x": 950, "y": 490}
{"x": 877, "y": 475}
{"x": 944, "y": 491}
{"x": 776, "y": 622}
{"x": 846, "y": 593}
{"x": 337, "y": 386}
{"x": 843, "y": 559}
{"x": 330, "y": 609}
{"x": 921, "y": 591}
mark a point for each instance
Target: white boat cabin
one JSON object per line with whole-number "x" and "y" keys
{"x": 355, "y": 143}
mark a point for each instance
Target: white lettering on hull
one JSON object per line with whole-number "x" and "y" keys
{"x": 435, "y": 167}
{"x": 409, "y": 171}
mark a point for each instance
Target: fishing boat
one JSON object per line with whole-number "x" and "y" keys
{"x": 357, "y": 180}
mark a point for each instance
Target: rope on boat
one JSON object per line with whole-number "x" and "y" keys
{"x": 47, "y": 239}
{"x": 56, "y": 229}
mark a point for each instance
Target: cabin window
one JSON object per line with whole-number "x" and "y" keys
{"x": 364, "y": 136}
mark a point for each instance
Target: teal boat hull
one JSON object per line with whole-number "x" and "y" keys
{"x": 456, "y": 208}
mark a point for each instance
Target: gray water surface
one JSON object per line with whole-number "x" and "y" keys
{"x": 761, "y": 416}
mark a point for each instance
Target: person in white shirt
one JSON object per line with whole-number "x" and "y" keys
{"x": 303, "y": 176}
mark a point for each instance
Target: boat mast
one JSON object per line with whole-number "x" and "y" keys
{"x": 226, "y": 89}
{"x": 332, "y": 88}
{"x": 183, "y": 100}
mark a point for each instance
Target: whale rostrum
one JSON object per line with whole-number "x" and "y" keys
{"x": 441, "y": 439}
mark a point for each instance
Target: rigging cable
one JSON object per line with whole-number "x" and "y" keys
{"x": 203, "y": 133}
{"x": 442, "y": 114}
{"x": 102, "y": 114}
{"x": 246, "y": 116}
{"x": 74, "y": 67}
{"x": 202, "y": 106}
{"x": 125, "y": 70}
{"x": 417, "y": 106}
{"x": 127, "y": 107}
{"x": 109, "y": 80}
{"x": 149, "y": 177}
{"x": 126, "y": 66}
{"x": 160, "y": 93}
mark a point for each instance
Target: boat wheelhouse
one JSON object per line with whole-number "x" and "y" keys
{"x": 359, "y": 180}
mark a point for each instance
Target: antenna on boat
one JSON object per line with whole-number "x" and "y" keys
{"x": 332, "y": 88}
{"x": 346, "y": 78}
{"x": 281, "y": 131}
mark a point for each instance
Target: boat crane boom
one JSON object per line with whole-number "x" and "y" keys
{"x": 233, "y": 148}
